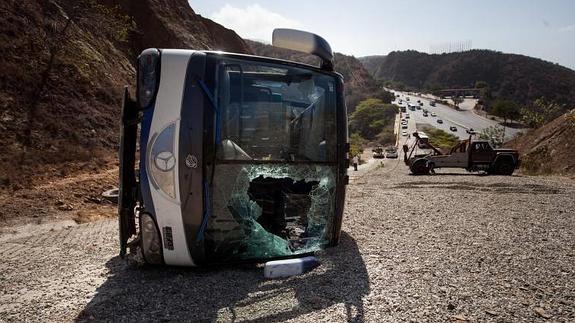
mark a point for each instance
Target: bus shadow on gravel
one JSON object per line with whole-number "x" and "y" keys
{"x": 238, "y": 293}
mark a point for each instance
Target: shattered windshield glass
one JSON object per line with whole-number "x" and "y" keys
{"x": 265, "y": 211}
{"x": 276, "y": 112}
{"x": 274, "y": 182}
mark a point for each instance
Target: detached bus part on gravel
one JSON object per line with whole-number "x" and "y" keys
{"x": 241, "y": 158}
{"x": 473, "y": 155}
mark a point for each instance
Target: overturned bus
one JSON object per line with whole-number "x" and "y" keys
{"x": 231, "y": 158}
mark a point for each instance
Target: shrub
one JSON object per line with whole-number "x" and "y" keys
{"x": 371, "y": 117}
{"x": 494, "y": 134}
{"x": 356, "y": 143}
{"x": 535, "y": 162}
{"x": 441, "y": 139}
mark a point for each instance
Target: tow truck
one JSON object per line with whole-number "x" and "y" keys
{"x": 470, "y": 154}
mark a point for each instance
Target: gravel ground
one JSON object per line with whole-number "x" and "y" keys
{"x": 449, "y": 247}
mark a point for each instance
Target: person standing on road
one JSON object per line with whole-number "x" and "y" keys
{"x": 355, "y": 162}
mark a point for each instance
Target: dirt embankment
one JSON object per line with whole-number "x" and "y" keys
{"x": 78, "y": 198}
{"x": 550, "y": 148}
{"x": 64, "y": 63}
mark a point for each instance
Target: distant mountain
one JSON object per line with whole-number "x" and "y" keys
{"x": 359, "y": 84}
{"x": 509, "y": 76}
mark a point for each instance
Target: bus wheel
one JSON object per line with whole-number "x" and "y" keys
{"x": 419, "y": 167}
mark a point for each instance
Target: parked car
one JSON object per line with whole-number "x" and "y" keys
{"x": 425, "y": 114}
{"x": 433, "y": 114}
{"x": 378, "y": 153}
{"x": 439, "y": 121}
{"x": 391, "y": 152}
{"x": 407, "y": 116}
{"x": 421, "y": 103}
{"x": 453, "y": 128}
{"x": 404, "y": 133}
{"x": 404, "y": 126}
{"x": 432, "y": 103}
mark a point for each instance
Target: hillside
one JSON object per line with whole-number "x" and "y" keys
{"x": 359, "y": 84}
{"x": 64, "y": 63}
{"x": 549, "y": 149}
{"x": 520, "y": 78}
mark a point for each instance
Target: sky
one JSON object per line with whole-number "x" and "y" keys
{"x": 540, "y": 28}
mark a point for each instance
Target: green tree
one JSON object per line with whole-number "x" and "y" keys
{"x": 540, "y": 112}
{"x": 370, "y": 118}
{"x": 433, "y": 88}
{"x": 494, "y": 134}
{"x": 386, "y": 137}
{"x": 441, "y": 139}
{"x": 385, "y": 96}
{"x": 456, "y": 100}
{"x": 356, "y": 144}
{"x": 506, "y": 109}
{"x": 396, "y": 85}
{"x": 484, "y": 90}
{"x": 481, "y": 85}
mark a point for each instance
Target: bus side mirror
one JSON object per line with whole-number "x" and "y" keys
{"x": 305, "y": 42}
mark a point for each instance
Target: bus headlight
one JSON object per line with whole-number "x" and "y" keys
{"x": 151, "y": 243}
{"x": 148, "y": 72}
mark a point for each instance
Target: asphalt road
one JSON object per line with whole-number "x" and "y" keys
{"x": 462, "y": 119}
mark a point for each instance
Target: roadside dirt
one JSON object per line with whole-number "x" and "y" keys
{"x": 449, "y": 247}
{"x": 76, "y": 198}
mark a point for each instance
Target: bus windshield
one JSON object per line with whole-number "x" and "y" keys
{"x": 275, "y": 112}
{"x": 274, "y": 179}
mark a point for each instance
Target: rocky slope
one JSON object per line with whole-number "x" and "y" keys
{"x": 520, "y": 78}
{"x": 550, "y": 148}
{"x": 64, "y": 63}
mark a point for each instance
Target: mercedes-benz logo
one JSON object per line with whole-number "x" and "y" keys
{"x": 165, "y": 161}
